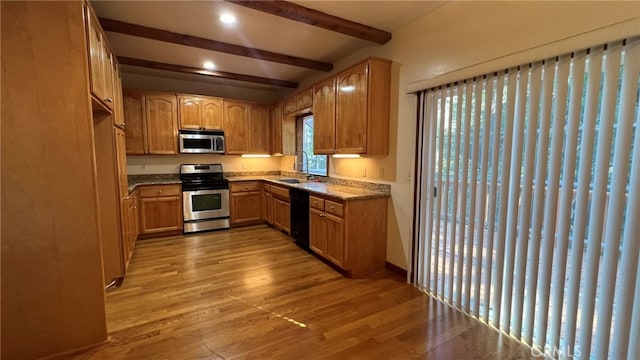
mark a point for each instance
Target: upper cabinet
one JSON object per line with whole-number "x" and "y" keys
{"x": 237, "y": 126}
{"x": 134, "y": 119}
{"x": 247, "y": 129}
{"x": 298, "y": 102}
{"x": 100, "y": 64}
{"x": 199, "y": 113}
{"x": 324, "y": 117}
{"x": 161, "y": 123}
{"x": 359, "y": 120}
{"x": 260, "y": 132}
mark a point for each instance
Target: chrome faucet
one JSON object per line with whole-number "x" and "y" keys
{"x": 295, "y": 165}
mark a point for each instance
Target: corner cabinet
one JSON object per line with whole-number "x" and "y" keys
{"x": 351, "y": 234}
{"x": 358, "y": 121}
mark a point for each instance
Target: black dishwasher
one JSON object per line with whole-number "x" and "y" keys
{"x": 300, "y": 217}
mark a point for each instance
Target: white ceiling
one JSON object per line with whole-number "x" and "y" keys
{"x": 253, "y": 29}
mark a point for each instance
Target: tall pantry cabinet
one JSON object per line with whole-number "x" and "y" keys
{"x": 63, "y": 175}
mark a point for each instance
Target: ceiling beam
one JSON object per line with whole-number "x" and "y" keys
{"x": 211, "y": 73}
{"x": 317, "y": 18}
{"x": 202, "y": 43}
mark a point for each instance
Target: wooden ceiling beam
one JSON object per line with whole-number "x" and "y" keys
{"x": 202, "y": 43}
{"x": 317, "y": 18}
{"x": 211, "y": 73}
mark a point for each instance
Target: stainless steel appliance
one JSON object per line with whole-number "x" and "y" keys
{"x": 201, "y": 142}
{"x": 205, "y": 197}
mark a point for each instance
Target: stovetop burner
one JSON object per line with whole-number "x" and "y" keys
{"x": 202, "y": 177}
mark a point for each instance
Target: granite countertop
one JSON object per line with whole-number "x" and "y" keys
{"x": 156, "y": 179}
{"x": 321, "y": 188}
{"x": 340, "y": 191}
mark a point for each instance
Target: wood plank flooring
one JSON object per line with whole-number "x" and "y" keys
{"x": 250, "y": 293}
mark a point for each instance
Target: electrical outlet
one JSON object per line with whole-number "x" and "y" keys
{"x": 381, "y": 173}
{"x": 364, "y": 172}
{"x": 408, "y": 175}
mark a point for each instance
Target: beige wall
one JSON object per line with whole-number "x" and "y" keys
{"x": 453, "y": 37}
{"x": 170, "y": 164}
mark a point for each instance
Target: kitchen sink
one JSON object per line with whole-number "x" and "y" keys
{"x": 290, "y": 181}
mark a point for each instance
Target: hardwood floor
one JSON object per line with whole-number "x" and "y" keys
{"x": 251, "y": 293}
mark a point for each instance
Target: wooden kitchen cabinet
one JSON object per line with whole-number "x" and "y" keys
{"x": 161, "y": 123}
{"x": 237, "y": 127}
{"x": 267, "y": 204}
{"x": 360, "y": 121}
{"x": 351, "y": 234}
{"x": 212, "y": 113}
{"x": 281, "y": 208}
{"x": 199, "y": 113}
{"x": 298, "y": 102}
{"x": 283, "y": 131}
{"x": 160, "y": 209}
{"x": 118, "y": 104}
{"x": 133, "y": 106}
{"x": 100, "y": 63}
{"x": 259, "y": 118}
{"x": 324, "y": 117}
{"x": 246, "y": 202}
{"x": 129, "y": 225}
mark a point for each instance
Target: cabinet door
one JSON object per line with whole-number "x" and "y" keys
{"x": 267, "y": 207}
{"x": 190, "y": 112}
{"x": 324, "y": 117}
{"x": 304, "y": 99}
{"x": 351, "y": 111}
{"x": 96, "y": 53}
{"x": 134, "y": 120}
{"x": 212, "y": 114}
{"x": 317, "y": 231}
{"x": 281, "y": 215}
{"x": 244, "y": 209}
{"x": 121, "y": 161}
{"x": 334, "y": 239}
{"x": 276, "y": 129}
{"x": 237, "y": 127}
{"x": 160, "y": 214}
{"x": 107, "y": 74}
{"x": 118, "y": 102}
{"x": 161, "y": 124}
{"x": 290, "y": 105}
{"x": 259, "y": 116}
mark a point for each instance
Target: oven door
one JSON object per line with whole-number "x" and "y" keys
{"x": 205, "y": 204}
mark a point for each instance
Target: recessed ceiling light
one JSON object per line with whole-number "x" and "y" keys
{"x": 227, "y": 18}
{"x": 209, "y": 65}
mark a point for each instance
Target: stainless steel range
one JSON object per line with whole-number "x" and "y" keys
{"x": 205, "y": 197}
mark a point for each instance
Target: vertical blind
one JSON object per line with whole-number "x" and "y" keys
{"x": 528, "y": 201}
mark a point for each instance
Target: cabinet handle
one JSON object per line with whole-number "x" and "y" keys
{"x": 321, "y": 215}
{"x": 159, "y": 191}
{"x": 246, "y": 187}
{"x": 331, "y": 207}
{"x": 108, "y": 100}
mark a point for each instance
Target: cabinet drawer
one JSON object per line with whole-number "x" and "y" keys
{"x": 148, "y": 191}
{"x": 246, "y": 186}
{"x": 280, "y": 192}
{"x": 316, "y": 203}
{"x": 334, "y": 208}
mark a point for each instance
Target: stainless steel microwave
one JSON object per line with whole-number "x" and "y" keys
{"x": 201, "y": 142}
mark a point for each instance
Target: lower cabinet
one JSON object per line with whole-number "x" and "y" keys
{"x": 267, "y": 204}
{"x": 160, "y": 210}
{"x": 351, "y": 234}
{"x": 281, "y": 208}
{"x": 130, "y": 225}
{"x": 246, "y": 202}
